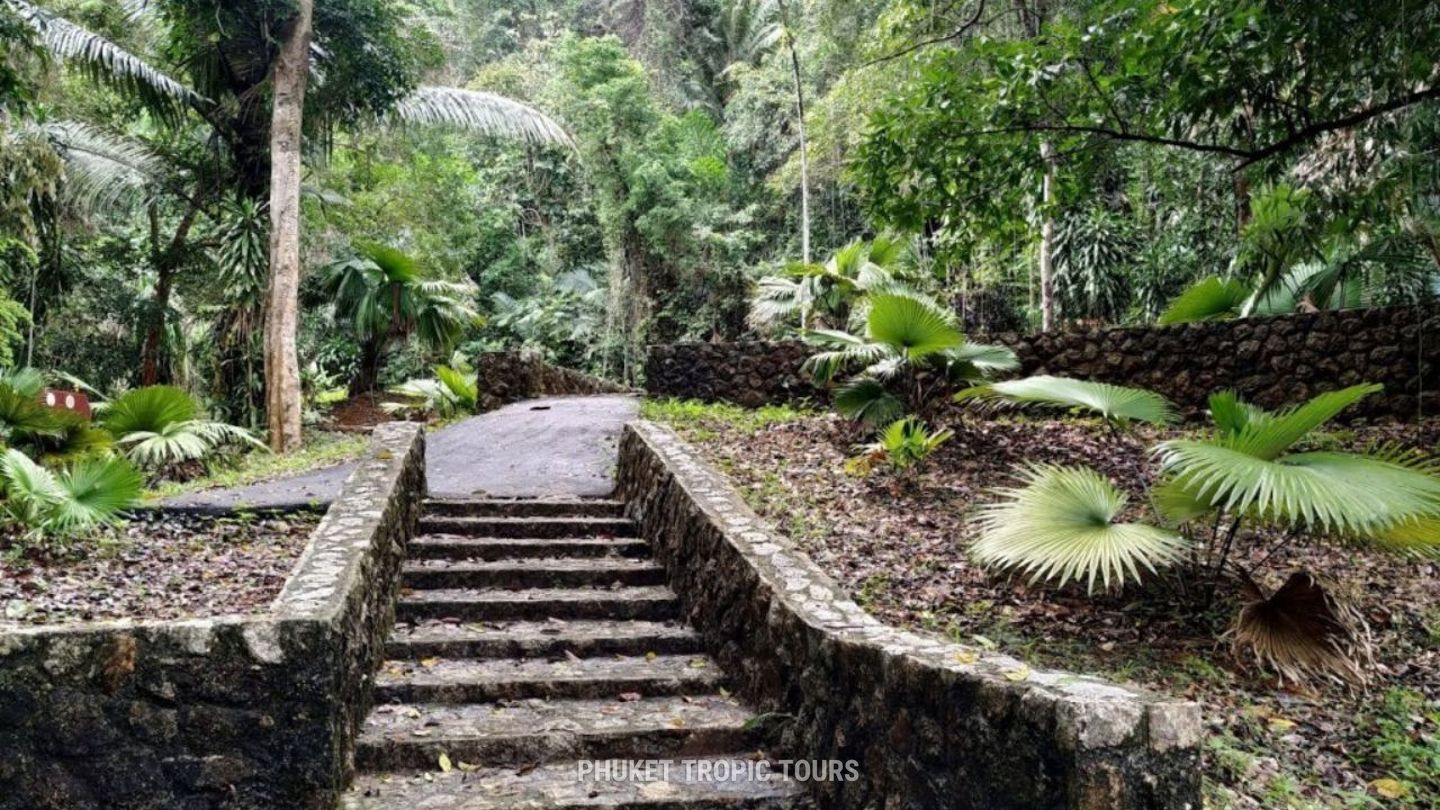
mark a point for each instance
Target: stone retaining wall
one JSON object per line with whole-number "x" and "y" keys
{"x": 1272, "y": 361}
{"x": 507, "y": 377}
{"x": 932, "y": 724}
{"x": 256, "y": 711}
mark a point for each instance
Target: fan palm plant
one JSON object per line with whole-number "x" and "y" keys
{"x": 910, "y": 347}
{"x": 903, "y": 445}
{"x": 386, "y": 298}
{"x": 23, "y": 417}
{"x": 1214, "y": 492}
{"x": 827, "y": 294}
{"x": 160, "y": 427}
{"x": 453, "y": 390}
{"x": 69, "y": 501}
{"x": 1116, "y": 404}
{"x": 1209, "y": 299}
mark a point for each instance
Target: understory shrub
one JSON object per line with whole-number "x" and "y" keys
{"x": 1225, "y": 507}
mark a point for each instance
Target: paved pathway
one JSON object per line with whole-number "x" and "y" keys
{"x": 560, "y": 447}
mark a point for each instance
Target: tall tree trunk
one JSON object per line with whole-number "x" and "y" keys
{"x": 1047, "y": 240}
{"x": 155, "y": 332}
{"x": 804, "y": 142}
{"x": 167, "y": 263}
{"x": 1242, "y": 201}
{"x": 367, "y": 376}
{"x": 804, "y": 160}
{"x": 282, "y": 361}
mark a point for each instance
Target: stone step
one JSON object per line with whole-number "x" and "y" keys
{"x": 534, "y": 527}
{"x": 478, "y": 681}
{"x": 646, "y": 604}
{"x": 561, "y": 787}
{"x": 457, "y": 507}
{"x": 469, "y": 548}
{"x": 532, "y": 573}
{"x": 542, "y": 639}
{"x": 532, "y": 732}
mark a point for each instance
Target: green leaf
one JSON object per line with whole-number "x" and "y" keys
{"x": 1061, "y": 526}
{"x": 1116, "y": 403}
{"x": 95, "y": 492}
{"x": 1337, "y": 492}
{"x": 1209, "y": 299}
{"x": 867, "y": 399}
{"x": 1266, "y": 435}
{"x": 912, "y": 325}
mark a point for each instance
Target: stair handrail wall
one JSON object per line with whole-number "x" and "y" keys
{"x": 931, "y": 724}
{"x": 257, "y": 710}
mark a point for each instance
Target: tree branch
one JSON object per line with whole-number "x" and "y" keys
{"x": 1244, "y": 157}
{"x": 964, "y": 29}
{"x": 1344, "y": 122}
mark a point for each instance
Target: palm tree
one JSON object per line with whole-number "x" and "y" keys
{"x": 386, "y": 298}
{"x": 161, "y": 426}
{"x": 62, "y": 503}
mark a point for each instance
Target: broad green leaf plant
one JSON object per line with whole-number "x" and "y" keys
{"x": 1226, "y": 505}
{"x": 910, "y": 348}
{"x": 161, "y": 426}
{"x": 903, "y": 445}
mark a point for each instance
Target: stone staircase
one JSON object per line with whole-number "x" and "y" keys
{"x": 534, "y": 638}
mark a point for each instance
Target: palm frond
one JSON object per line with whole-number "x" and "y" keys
{"x": 1334, "y": 492}
{"x": 107, "y": 62}
{"x": 476, "y": 111}
{"x": 1209, "y": 299}
{"x": 158, "y": 426}
{"x": 464, "y": 387}
{"x": 95, "y": 492}
{"x": 1303, "y": 631}
{"x": 915, "y": 326}
{"x": 1231, "y": 414}
{"x": 148, "y": 409}
{"x": 1061, "y": 526}
{"x": 868, "y": 400}
{"x": 1266, "y": 435}
{"x": 24, "y": 479}
{"x": 23, "y": 416}
{"x": 1418, "y": 538}
{"x": 25, "y": 381}
{"x": 1116, "y": 403}
{"x": 103, "y": 172}
{"x": 970, "y": 361}
{"x": 842, "y": 350}
{"x": 775, "y": 301}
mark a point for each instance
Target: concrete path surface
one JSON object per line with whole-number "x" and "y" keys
{"x": 559, "y": 447}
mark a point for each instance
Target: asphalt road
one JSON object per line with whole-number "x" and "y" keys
{"x": 558, "y": 447}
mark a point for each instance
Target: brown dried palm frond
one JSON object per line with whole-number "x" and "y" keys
{"x": 1303, "y": 631}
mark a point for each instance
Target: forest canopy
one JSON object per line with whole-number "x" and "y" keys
{"x": 583, "y": 178}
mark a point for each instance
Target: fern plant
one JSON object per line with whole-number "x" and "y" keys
{"x": 1250, "y": 485}
{"x": 160, "y": 427}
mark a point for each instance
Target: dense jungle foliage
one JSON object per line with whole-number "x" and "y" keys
{"x": 1029, "y": 164}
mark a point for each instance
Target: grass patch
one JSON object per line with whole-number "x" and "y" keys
{"x": 702, "y": 421}
{"x": 319, "y": 450}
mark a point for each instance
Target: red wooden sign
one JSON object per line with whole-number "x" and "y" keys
{"x": 67, "y": 401}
